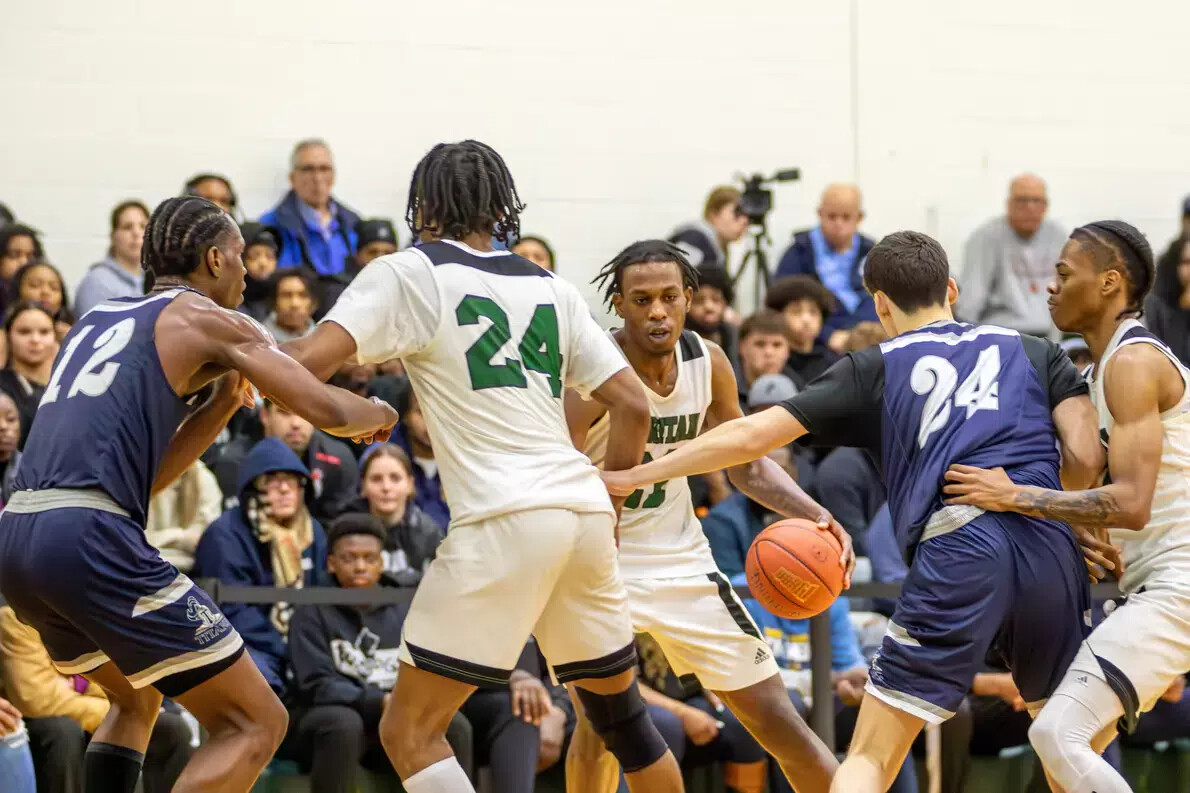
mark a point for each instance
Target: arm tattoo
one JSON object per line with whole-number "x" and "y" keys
{"x": 1097, "y": 508}
{"x": 766, "y": 483}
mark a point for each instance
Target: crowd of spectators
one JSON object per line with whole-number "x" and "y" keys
{"x": 276, "y": 502}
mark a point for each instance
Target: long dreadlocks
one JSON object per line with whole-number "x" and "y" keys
{"x": 460, "y": 188}
{"x": 611, "y": 277}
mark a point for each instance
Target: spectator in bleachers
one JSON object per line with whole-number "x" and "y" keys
{"x": 32, "y": 345}
{"x": 179, "y": 515}
{"x": 376, "y": 237}
{"x": 833, "y": 252}
{"x": 536, "y": 250}
{"x": 269, "y": 539}
{"x": 708, "y": 312}
{"x": 723, "y": 222}
{"x": 1167, "y": 308}
{"x": 294, "y": 300}
{"x": 333, "y": 469}
{"x": 696, "y": 726}
{"x": 10, "y": 438}
{"x": 40, "y": 282}
{"x": 805, "y": 305}
{"x": 16, "y": 763}
{"x": 344, "y": 661}
{"x": 764, "y": 349}
{"x": 413, "y": 437}
{"x": 216, "y": 189}
{"x": 61, "y": 711}
{"x": 411, "y": 537}
{"x": 262, "y": 245}
{"x": 1009, "y": 261}
{"x": 317, "y": 230}
{"x": 119, "y": 274}
{"x": 19, "y": 245}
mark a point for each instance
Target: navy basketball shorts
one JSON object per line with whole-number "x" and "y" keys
{"x": 89, "y": 582}
{"x": 1003, "y": 590}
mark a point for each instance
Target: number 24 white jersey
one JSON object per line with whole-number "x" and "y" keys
{"x": 489, "y": 341}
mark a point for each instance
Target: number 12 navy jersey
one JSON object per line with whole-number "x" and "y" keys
{"x": 108, "y": 413}
{"x": 947, "y": 393}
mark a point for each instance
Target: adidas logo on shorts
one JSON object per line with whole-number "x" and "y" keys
{"x": 762, "y": 655}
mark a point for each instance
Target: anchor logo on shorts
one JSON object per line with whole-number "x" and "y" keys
{"x": 210, "y": 621}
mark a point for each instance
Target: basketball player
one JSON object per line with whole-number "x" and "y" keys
{"x": 489, "y": 341}
{"x": 73, "y": 557}
{"x": 675, "y": 591}
{"x": 1140, "y": 391}
{"x": 940, "y": 392}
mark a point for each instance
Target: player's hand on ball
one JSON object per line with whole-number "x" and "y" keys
{"x": 847, "y": 557}
{"x": 988, "y": 489}
{"x": 701, "y": 728}
{"x": 618, "y": 483}
{"x": 530, "y": 701}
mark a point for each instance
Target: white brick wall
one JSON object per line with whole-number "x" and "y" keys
{"x": 616, "y": 117}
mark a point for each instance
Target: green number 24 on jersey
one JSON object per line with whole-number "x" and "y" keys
{"x": 539, "y": 349}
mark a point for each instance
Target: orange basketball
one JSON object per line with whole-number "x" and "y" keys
{"x": 793, "y": 569}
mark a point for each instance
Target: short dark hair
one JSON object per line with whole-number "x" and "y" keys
{"x": 355, "y": 523}
{"x": 20, "y": 230}
{"x": 295, "y": 272}
{"x": 611, "y": 277}
{"x": 716, "y": 277}
{"x": 1116, "y": 245}
{"x": 911, "y": 268}
{"x": 180, "y": 232}
{"x": 765, "y": 322}
{"x": 460, "y": 188}
{"x": 22, "y": 273}
{"x": 800, "y": 287}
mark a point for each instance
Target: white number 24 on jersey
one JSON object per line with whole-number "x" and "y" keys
{"x": 937, "y": 377}
{"x": 99, "y": 371}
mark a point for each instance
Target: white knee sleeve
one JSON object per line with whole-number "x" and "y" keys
{"x": 1081, "y": 708}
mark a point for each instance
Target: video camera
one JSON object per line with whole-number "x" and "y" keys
{"x": 756, "y": 201}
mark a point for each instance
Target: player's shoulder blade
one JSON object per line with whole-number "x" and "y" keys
{"x": 448, "y": 252}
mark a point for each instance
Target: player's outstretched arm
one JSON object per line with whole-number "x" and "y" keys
{"x": 734, "y": 443}
{"x": 581, "y": 415}
{"x": 763, "y": 480}
{"x": 237, "y": 342}
{"x": 201, "y": 428}
{"x": 1132, "y": 390}
{"x": 323, "y": 350}
{"x": 623, "y": 395}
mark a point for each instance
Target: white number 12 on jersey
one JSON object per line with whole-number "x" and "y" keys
{"x": 98, "y": 372}
{"x": 937, "y": 377}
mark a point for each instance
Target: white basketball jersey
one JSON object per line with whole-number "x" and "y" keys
{"x": 660, "y": 537}
{"x": 1162, "y": 547}
{"x": 489, "y": 341}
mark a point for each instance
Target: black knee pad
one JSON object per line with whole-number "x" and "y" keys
{"x": 623, "y": 723}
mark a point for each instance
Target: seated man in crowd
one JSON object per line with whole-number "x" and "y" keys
{"x": 268, "y": 539}
{"x": 764, "y": 349}
{"x": 344, "y": 661}
{"x": 334, "y": 473}
{"x": 262, "y": 247}
{"x": 833, "y": 252}
{"x": 375, "y": 237}
{"x": 179, "y": 515}
{"x": 295, "y": 299}
{"x": 805, "y": 305}
{"x": 61, "y": 711}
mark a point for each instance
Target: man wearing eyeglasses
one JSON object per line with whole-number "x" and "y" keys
{"x": 1008, "y": 261}
{"x": 317, "y": 230}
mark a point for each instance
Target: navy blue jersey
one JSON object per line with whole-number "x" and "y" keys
{"x": 948, "y": 393}
{"x": 108, "y": 412}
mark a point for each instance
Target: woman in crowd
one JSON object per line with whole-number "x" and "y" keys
{"x": 32, "y": 345}
{"x": 1167, "y": 309}
{"x": 216, "y": 189}
{"x": 119, "y": 274}
{"x": 386, "y": 484}
{"x": 19, "y": 245}
{"x": 10, "y": 436}
{"x": 40, "y": 282}
{"x": 536, "y": 250}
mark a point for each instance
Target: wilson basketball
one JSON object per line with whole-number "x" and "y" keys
{"x": 793, "y": 569}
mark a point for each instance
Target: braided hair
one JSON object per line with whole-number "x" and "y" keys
{"x": 1116, "y": 245}
{"x": 460, "y": 188}
{"x": 180, "y": 232}
{"x": 611, "y": 277}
